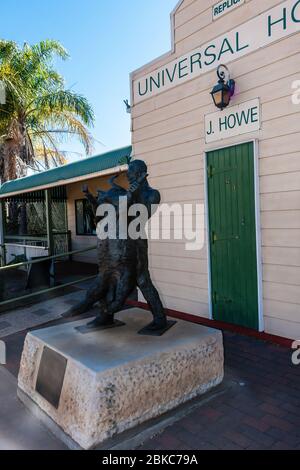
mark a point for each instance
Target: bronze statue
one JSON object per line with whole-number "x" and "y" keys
{"x": 123, "y": 263}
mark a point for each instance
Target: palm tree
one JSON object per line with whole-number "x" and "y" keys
{"x": 39, "y": 112}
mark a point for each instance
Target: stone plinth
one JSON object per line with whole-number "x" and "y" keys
{"x": 112, "y": 380}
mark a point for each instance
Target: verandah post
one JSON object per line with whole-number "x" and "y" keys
{"x": 48, "y": 201}
{"x": 2, "y": 237}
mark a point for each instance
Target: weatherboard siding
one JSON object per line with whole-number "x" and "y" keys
{"x": 188, "y": 34}
{"x": 168, "y": 133}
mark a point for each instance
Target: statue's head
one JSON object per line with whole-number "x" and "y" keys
{"x": 136, "y": 168}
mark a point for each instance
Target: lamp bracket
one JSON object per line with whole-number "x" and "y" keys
{"x": 223, "y": 73}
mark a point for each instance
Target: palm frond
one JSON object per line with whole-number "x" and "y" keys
{"x": 65, "y": 124}
{"x": 65, "y": 100}
{"x": 46, "y": 50}
{"x": 39, "y": 113}
{"x": 7, "y": 49}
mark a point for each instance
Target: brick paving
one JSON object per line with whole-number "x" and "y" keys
{"x": 260, "y": 410}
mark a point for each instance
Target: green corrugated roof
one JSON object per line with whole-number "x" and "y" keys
{"x": 82, "y": 167}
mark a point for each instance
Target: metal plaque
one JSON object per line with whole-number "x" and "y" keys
{"x": 51, "y": 376}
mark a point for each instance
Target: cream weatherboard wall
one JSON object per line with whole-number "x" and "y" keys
{"x": 168, "y": 133}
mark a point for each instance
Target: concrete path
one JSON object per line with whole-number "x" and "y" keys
{"x": 20, "y": 430}
{"x": 37, "y": 314}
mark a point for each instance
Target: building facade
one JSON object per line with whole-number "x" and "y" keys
{"x": 242, "y": 163}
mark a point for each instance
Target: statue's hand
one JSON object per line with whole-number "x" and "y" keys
{"x": 135, "y": 186}
{"x": 142, "y": 178}
{"x": 113, "y": 179}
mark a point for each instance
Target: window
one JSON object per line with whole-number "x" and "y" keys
{"x": 85, "y": 222}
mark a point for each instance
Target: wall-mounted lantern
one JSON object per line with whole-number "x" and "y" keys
{"x": 224, "y": 90}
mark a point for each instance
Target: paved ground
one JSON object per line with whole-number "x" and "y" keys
{"x": 261, "y": 412}
{"x": 19, "y": 430}
{"x": 260, "y": 408}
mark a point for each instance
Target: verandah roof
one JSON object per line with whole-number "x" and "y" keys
{"x": 61, "y": 175}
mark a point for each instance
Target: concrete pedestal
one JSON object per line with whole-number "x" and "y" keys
{"x": 97, "y": 385}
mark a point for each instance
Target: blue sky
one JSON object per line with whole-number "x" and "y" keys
{"x": 106, "y": 40}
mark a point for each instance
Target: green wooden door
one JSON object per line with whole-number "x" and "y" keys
{"x": 231, "y": 197}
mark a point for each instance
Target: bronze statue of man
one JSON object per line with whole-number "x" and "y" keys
{"x": 123, "y": 263}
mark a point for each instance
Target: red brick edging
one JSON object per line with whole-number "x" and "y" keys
{"x": 285, "y": 342}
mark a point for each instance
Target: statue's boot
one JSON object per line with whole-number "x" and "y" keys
{"x": 158, "y": 324}
{"x": 77, "y": 310}
{"x": 101, "y": 320}
{"x": 93, "y": 295}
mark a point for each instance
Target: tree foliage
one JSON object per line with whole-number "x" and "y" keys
{"x": 39, "y": 113}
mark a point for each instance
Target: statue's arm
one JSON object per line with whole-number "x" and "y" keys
{"x": 155, "y": 197}
{"x": 152, "y": 201}
{"x": 134, "y": 188}
{"x": 92, "y": 200}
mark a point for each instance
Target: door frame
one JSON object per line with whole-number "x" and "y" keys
{"x": 257, "y": 226}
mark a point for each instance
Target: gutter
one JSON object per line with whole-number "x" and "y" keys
{"x": 110, "y": 171}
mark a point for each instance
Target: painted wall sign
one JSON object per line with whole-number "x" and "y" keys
{"x": 225, "y": 7}
{"x": 234, "y": 121}
{"x": 275, "y": 24}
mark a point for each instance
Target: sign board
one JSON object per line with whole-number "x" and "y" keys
{"x": 261, "y": 31}
{"x": 224, "y": 7}
{"x": 233, "y": 121}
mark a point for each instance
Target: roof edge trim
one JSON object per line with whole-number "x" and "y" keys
{"x": 108, "y": 171}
